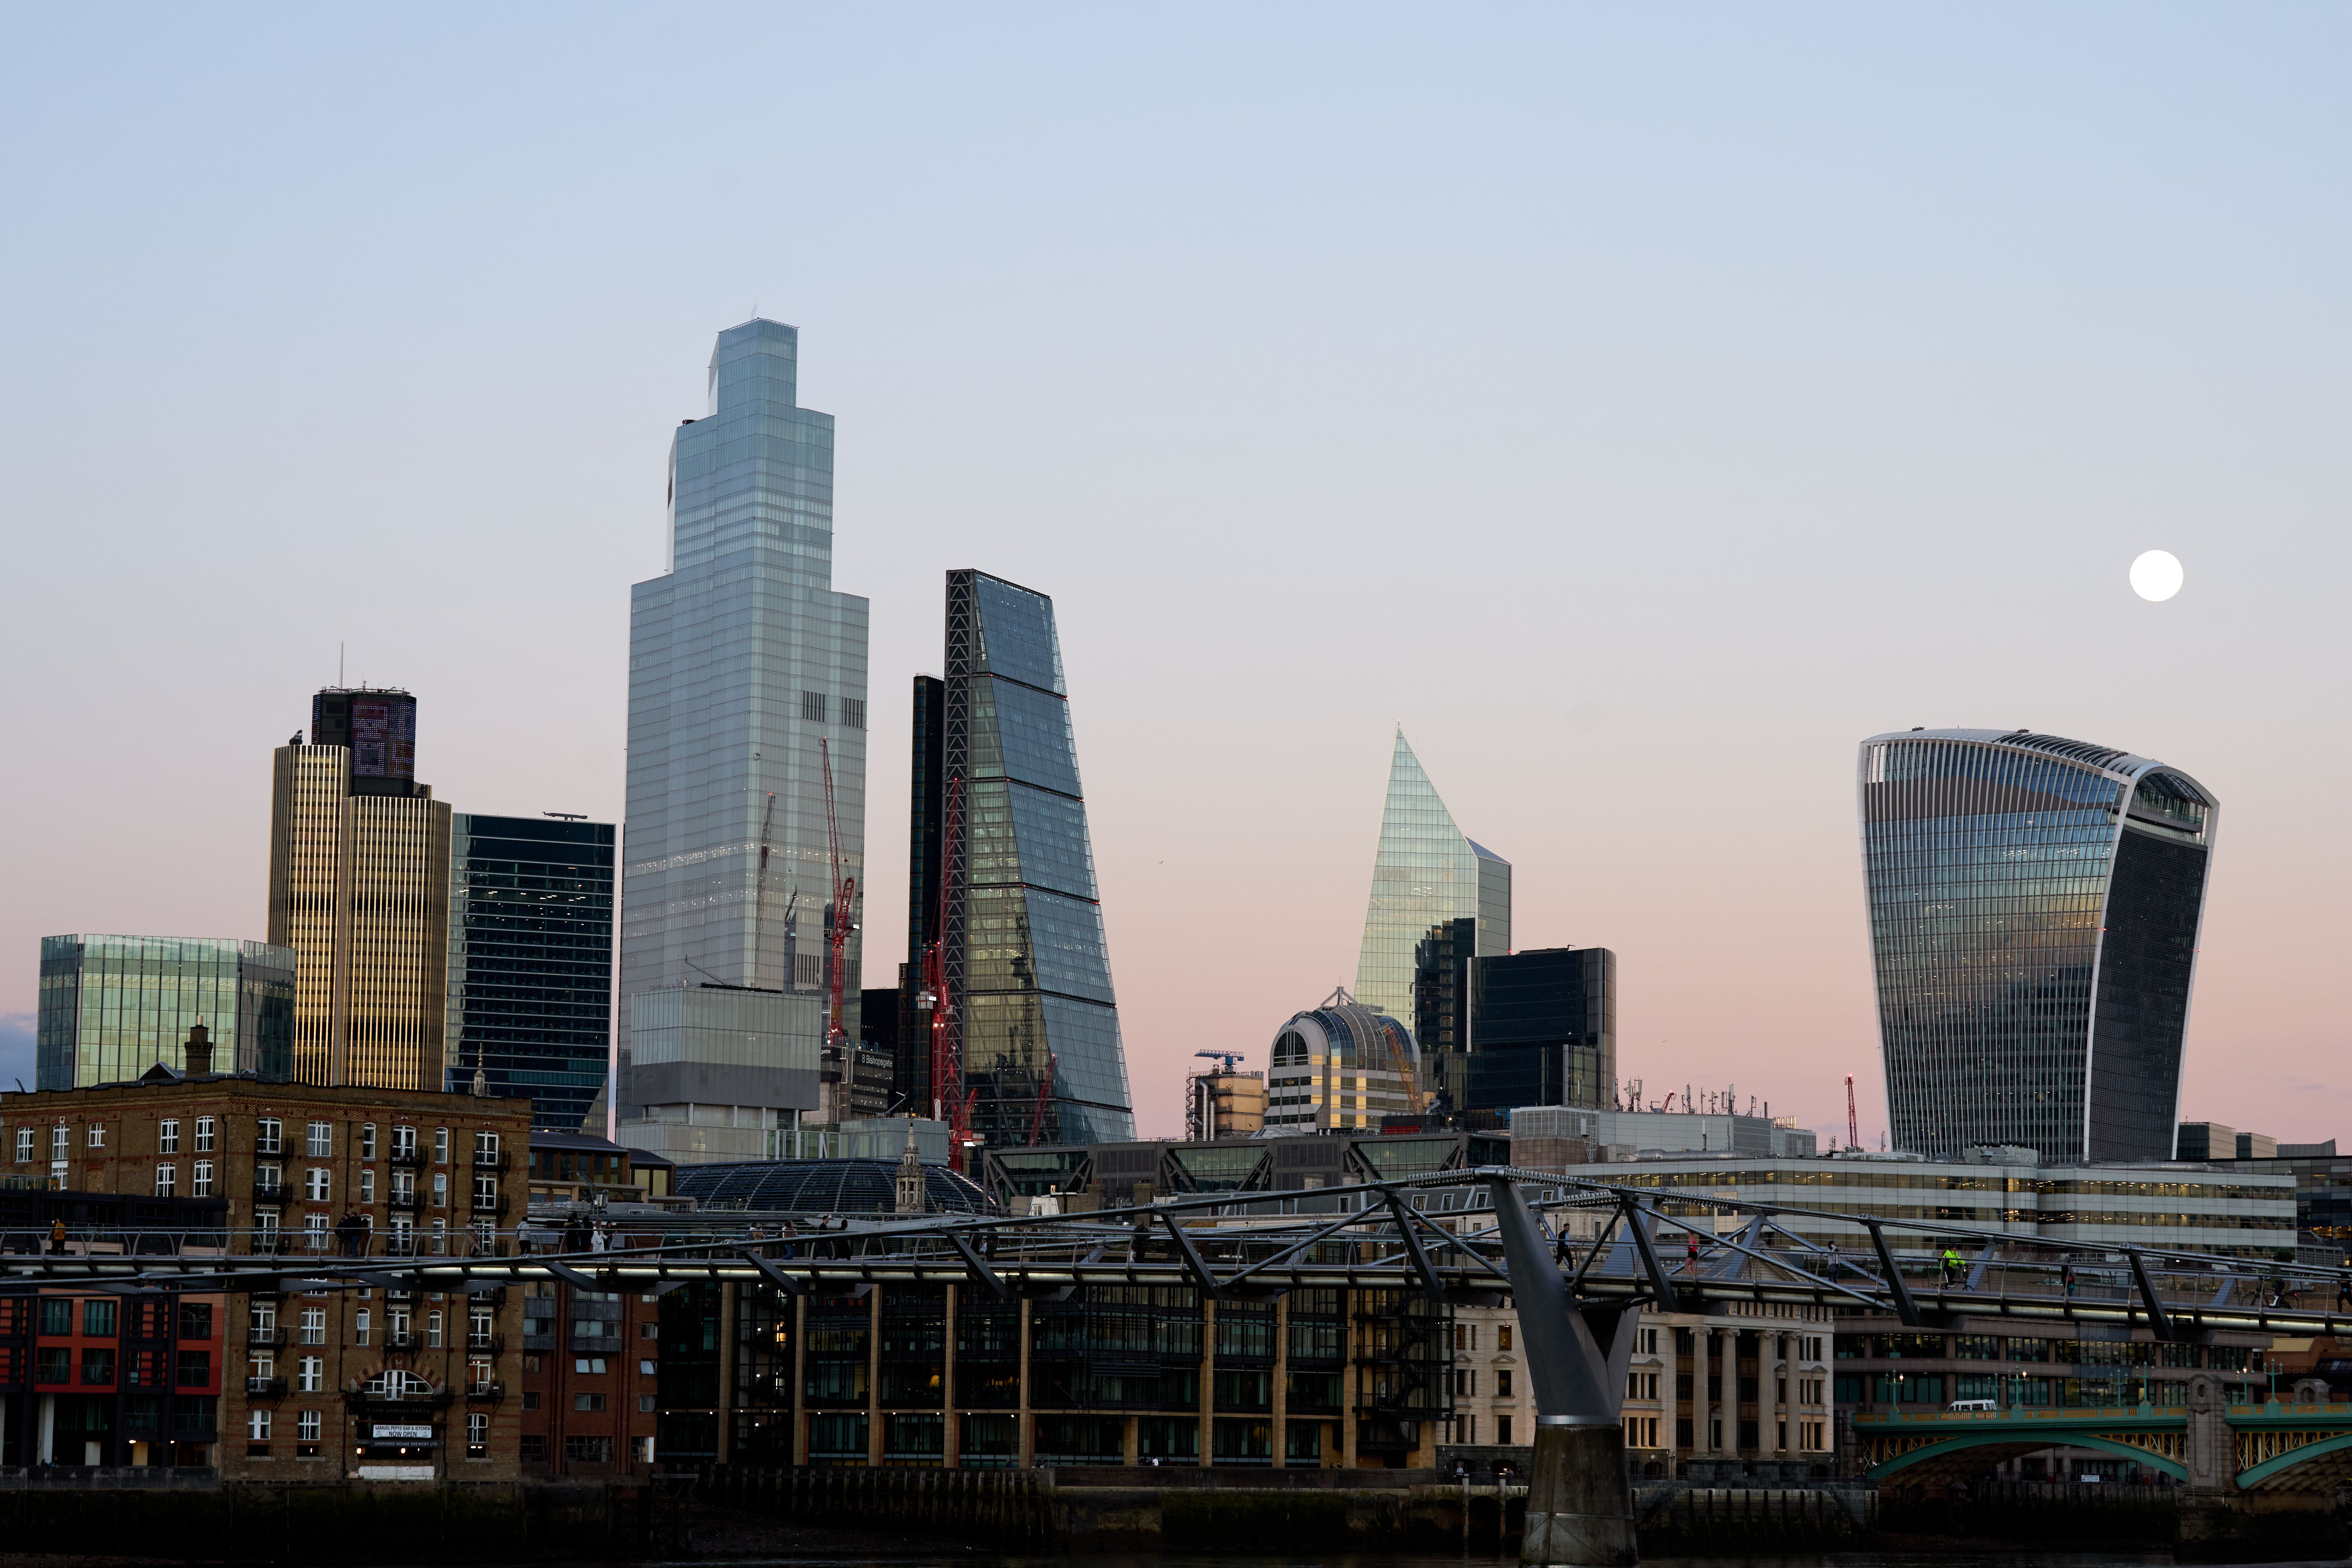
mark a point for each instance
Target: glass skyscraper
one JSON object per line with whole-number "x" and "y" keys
{"x": 1427, "y": 873}
{"x": 742, "y": 661}
{"x": 2033, "y": 915}
{"x": 531, "y": 960}
{"x": 112, "y": 1006}
{"x": 1028, "y": 975}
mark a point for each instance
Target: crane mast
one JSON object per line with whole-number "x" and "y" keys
{"x": 1853, "y": 1123}
{"x": 844, "y": 890}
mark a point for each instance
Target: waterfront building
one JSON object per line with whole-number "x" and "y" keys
{"x": 1598, "y": 1136}
{"x": 1027, "y": 970}
{"x": 346, "y": 1378}
{"x": 530, "y": 960}
{"x": 2034, "y": 905}
{"x": 747, "y": 680}
{"x": 1340, "y": 1066}
{"x": 1543, "y": 1028}
{"x": 1425, "y": 872}
{"x": 112, "y": 1006}
{"x": 359, "y": 888}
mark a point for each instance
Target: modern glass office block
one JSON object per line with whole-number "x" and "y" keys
{"x": 1342, "y": 1065}
{"x": 112, "y": 1006}
{"x": 743, "y": 662}
{"x": 2034, "y": 905}
{"x": 1543, "y": 1028}
{"x": 1028, "y": 974}
{"x": 1426, "y": 872}
{"x": 531, "y": 960}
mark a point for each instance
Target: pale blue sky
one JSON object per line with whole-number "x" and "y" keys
{"x": 1642, "y": 406}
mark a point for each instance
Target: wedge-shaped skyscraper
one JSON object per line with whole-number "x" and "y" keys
{"x": 998, "y": 812}
{"x": 746, "y": 671}
{"x": 2033, "y": 914}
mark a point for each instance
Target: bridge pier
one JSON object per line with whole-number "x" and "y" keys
{"x": 1580, "y": 1505}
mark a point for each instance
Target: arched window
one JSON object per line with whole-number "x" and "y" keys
{"x": 393, "y": 1384}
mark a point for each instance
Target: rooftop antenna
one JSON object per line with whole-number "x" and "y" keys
{"x": 339, "y": 664}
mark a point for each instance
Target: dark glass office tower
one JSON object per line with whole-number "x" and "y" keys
{"x": 1028, "y": 976}
{"x": 2033, "y": 914}
{"x": 1543, "y": 1028}
{"x": 1441, "y": 1007}
{"x": 531, "y": 960}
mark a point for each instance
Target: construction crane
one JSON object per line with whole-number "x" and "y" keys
{"x": 845, "y": 892}
{"x": 949, "y": 1100}
{"x": 760, "y": 889}
{"x": 1228, "y": 1058}
{"x": 1853, "y": 1123}
{"x": 1402, "y": 1066}
{"x": 1045, "y": 1096}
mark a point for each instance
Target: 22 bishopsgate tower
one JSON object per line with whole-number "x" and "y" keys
{"x": 747, "y": 676}
{"x": 2033, "y": 915}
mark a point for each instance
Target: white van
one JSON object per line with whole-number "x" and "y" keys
{"x": 1972, "y": 1404}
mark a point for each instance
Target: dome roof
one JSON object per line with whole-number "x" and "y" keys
{"x": 823, "y": 1187}
{"x": 1357, "y": 1035}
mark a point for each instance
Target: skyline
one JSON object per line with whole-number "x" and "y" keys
{"x": 1642, "y": 411}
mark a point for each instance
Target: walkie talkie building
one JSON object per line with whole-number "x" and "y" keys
{"x": 2033, "y": 915}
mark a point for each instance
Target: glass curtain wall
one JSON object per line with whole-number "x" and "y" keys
{"x": 1426, "y": 872}
{"x": 112, "y": 1006}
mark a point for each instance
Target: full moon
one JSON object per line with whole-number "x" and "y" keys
{"x": 2157, "y": 576}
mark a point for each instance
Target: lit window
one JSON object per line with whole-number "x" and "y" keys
{"x": 478, "y": 1434}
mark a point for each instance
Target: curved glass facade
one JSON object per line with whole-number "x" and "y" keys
{"x": 1427, "y": 873}
{"x": 113, "y": 1006}
{"x": 2033, "y": 914}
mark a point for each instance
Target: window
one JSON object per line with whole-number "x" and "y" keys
{"x": 478, "y": 1328}
{"x": 433, "y": 1331}
{"x": 440, "y": 1238}
{"x": 641, "y": 1449}
{"x": 1502, "y": 1383}
{"x": 60, "y": 1141}
{"x": 196, "y": 1320}
{"x": 367, "y": 1140}
{"x": 256, "y": 1426}
{"x": 477, "y": 1373}
{"x": 853, "y": 713}
{"x": 1503, "y": 1340}
{"x": 53, "y": 1363}
{"x": 812, "y": 707}
{"x": 534, "y": 1447}
{"x": 310, "y": 1376}
{"x": 485, "y": 1192}
{"x": 98, "y": 1134}
{"x": 23, "y": 1145}
{"x": 478, "y": 1434}
{"x": 403, "y": 1142}
{"x": 307, "y": 1427}
{"x": 316, "y": 1183}
{"x": 440, "y": 1189}
{"x": 395, "y": 1324}
{"x": 360, "y": 1326}
{"x": 167, "y": 1179}
{"x": 314, "y": 1232}
{"x": 440, "y": 1145}
{"x": 486, "y": 1148}
{"x": 314, "y": 1325}
{"x": 649, "y": 1331}
{"x": 97, "y": 1368}
{"x": 531, "y": 1399}
{"x": 588, "y": 1401}
{"x": 167, "y": 1135}
{"x": 98, "y": 1319}
{"x": 587, "y": 1364}
{"x": 203, "y": 1185}
{"x": 646, "y": 1403}
{"x": 367, "y": 1186}
{"x": 205, "y": 1125}
{"x": 268, "y": 1136}
{"x": 194, "y": 1369}
{"x": 318, "y": 1139}
{"x": 588, "y": 1450}
{"x": 645, "y": 1369}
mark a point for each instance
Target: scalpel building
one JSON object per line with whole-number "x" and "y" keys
{"x": 2034, "y": 917}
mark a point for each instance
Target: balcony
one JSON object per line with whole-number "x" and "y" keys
{"x": 272, "y": 1193}
{"x": 486, "y": 1344}
{"x": 501, "y": 1160}
{"x": 489, "y": 1202}
{"x": 265, "y": 1339}
{"x": 410, "y": 1199}
{"x": 485, "y": 1392}
{"x": 408, "y": 1159}
{"x": 265, "y": 1388}
{"x": 404, "y": 1344}
{"x": 269, "y": 1242}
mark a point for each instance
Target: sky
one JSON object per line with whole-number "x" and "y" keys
{"x": 1641, "y": 405}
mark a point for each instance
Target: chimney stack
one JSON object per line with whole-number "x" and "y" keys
{"x": 200, "y": 1052}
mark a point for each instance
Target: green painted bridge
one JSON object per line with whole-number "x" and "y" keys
{"x": 2274, "y": 1446}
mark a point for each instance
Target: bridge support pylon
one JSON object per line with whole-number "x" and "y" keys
{"x": 1579, "y": 1503}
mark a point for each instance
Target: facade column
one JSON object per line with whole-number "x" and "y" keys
{"x": 727, "y": 1369}
{"x": 1026, "y": 1437}
{"x": 800, "y": 1380}
{"x": 1208, "y": 1380}
{"x": 951, "y": 1435}
{"x": 1702, "y": 1407}
{"x": 874, "y": 1375}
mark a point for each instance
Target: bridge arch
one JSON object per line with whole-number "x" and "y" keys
{"x": 2031, "y": 1441}
{"x": 2270, "y": 1468}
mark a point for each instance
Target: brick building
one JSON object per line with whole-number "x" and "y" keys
{"x": 371, "y": 1383}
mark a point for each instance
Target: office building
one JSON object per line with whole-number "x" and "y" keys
{"x": 1425, "y": 873}
{"x": 530, "y": 960}
{"x": 746, "y": 683}
{"x": 1027, "y": 972}
{"x": 2033, "y": 916}
{"x": 1543, "y": 1028}
{"x": 359, "y": 888}
{"x": 1340, "y": 1066}
{"x": 112, "y": 1006}
{"x": 1548, "y": 1137}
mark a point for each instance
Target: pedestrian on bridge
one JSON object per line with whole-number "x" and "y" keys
{"x": 2344, "y": 1287}
{"x": 1953, "y": 1268}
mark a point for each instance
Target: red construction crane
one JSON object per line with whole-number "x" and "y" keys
{"x": 949, "y": 1100}
{"x": 845, "y": 892}
{"x": 1044, "y": 1094}
{"x": 1853, "y": 1123}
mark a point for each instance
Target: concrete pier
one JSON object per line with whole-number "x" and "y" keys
{"x": 1579, "y": 1506}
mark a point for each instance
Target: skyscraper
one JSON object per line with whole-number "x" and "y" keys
{"x": 746, "y": 671}
{"x": 531, "y": 960}
{"x": 1543, "y": 1028}
{"x": 1438, "y": 901}
{"x": 359, "y": 888}
{"x": 113, "y": 1006}
{"x": 2033, "y": 914}
{"x": 1028, "y": 975}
